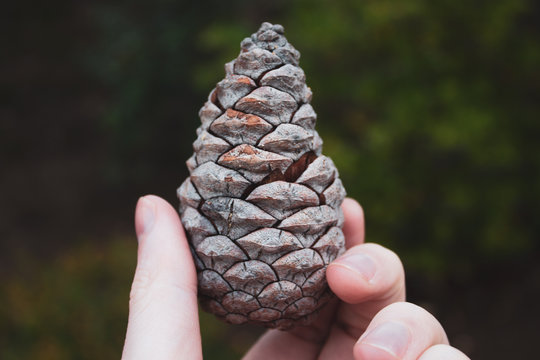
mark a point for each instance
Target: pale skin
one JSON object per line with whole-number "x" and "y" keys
{"x": 370, "y": 320}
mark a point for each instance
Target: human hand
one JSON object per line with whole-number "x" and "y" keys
{"x": 368, "y": 320}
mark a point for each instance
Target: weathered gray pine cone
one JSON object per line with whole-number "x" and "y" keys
{"x": 262, "y": 205}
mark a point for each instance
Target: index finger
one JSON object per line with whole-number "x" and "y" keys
{"x": 163, "y": 319}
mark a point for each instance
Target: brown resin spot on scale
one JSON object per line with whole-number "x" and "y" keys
{"x": 232, "y": 88}
{"x": 272, "y": 105}
{"x": 254, "y": 164}
{"x": 239, "y": 128}
{"x": 245, "y": 80}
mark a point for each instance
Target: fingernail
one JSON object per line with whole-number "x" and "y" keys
{"x": 390, "y": 337}
{"x": 145, "y": 216}
{"x": 359, "y": 263}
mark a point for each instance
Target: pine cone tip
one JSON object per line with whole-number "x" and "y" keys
{"x": 270, "y": 38}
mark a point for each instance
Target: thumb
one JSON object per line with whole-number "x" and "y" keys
{"x": 163, "y": 315}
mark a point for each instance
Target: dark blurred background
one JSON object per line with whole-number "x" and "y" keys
{"x": 430, "y": 109}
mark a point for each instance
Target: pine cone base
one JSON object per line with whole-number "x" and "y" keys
{"x": 261, "y": 206}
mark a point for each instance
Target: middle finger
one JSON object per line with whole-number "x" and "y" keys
{"x": 366, "y": 278}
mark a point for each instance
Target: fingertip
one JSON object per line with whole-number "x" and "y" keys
{"x": 351, "y": 203}
{"x": 367, "y": 278}
{"x": 151, "y": 209}
{"x": 163, "y": 207}
{"x": 162, "y": 240}
{"x": 158, "y": 201}
{"x": 367, "y": 272}
{"x": 145, "y": 212}
{"x": 354, "y": 226}
{"x": 347, "y": 283}
{"x": 351, "y": 275}
{"x": 352, "y": 209}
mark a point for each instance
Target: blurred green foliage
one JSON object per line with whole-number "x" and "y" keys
{"x": 430, "y": 110}
{"x": 76, "y": 308}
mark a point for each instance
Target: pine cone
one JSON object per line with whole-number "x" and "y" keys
{"x": 262, "y": 205}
